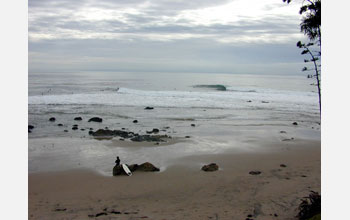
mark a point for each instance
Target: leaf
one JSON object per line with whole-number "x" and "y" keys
{"x": 306, "y": 61}
{"x": 304, "y": 69}
{"x": 304, "y": 52}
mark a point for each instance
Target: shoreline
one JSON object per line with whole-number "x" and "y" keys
{"x": 183, "y": 191}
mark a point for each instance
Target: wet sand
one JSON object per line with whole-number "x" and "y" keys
{"x": 183, "y": 191}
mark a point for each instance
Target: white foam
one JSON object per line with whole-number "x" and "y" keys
{"x": 210, "y": 99}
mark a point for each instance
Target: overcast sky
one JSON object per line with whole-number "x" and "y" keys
{"x": 221, "y": 36}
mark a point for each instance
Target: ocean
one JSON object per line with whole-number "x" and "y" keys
{"x": 218, "y": 111}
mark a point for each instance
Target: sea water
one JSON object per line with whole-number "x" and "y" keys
{"x": 244, "y": 107}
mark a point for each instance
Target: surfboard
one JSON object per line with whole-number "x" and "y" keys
{"x": 126, "y": 169}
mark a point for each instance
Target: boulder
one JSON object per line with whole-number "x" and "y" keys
{"x": 147, "y": 167}
{"x": 255, "y": 172}
{"x": 78, "y": 118}
{"x": 52, "y": 119}
{"x": 112, "y": 133}
{"x": 210, "y": 167}
{"x": 295, "y": 123}
{"x": 135, "y": 121}
{"x": 118, "y": 170}
{"x": 95, "y": 119}
{"x": 60, "y": 125}
{"x": 149, "y": 108}
{"x": 74, "y": 128}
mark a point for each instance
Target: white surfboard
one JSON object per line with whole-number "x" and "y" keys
{"x": 126, "y": 169}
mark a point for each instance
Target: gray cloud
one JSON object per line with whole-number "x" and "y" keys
{"x": 158, "y": 35}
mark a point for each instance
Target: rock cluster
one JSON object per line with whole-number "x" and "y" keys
{"x": 145, "y": 167}
{"x": 106, "y": 133}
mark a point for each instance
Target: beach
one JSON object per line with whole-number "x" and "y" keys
{"x": 183, "y": 191}
{"x": 264, "y": 137}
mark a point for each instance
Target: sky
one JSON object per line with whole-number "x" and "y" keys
{"x": 221, "y": 36}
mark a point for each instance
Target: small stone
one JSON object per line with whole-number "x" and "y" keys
{"x": 95, "y": 119}
{"x": 275, "y": 215}
{"x": 283, "y": 132}
{"x": 149, "y": 108}
{"x": 30, "y": 127}
{"x": 187, "y": 136}
{"x": 155, "y": 130}
{"x": 283, "y": 165}
{"x": 74, "y": 128}
{"x": 135, "y": 121}
{"x": 52, "y": 119}
{"x": 65, "y": 130}
{"x": 60, "y": 125}
{"x": 295, "y": 123}
{"x": 193, "y": 125}
{"x": 78, "y": 118}
{"x": 255, "y": 172}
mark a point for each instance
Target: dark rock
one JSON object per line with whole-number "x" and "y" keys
{"x": 60, "y": 209}
{"x": 167, "y": 127}
{"x": 101, "y": 213}
{"x": 193, "y": 125}
{"x": 121, "y": 139}
{"x": 60, "y": 125}
{"x": 275, "y": 215}
{"x": 115, "y": 212}
{"x": 210, "y": 167}
{"x": 149, "y": 108}
{"x": 254, "y": 172}
{"x": 147, "y": 167}
{"x": 91, "y": 132}
{"x": 295, "y": 123}
{"x": 52, "y": 119}
{"x": 118, "y": 170}
{"x": 82, "y": 129}
{"x": 249, "y": 101}
{"x": 75, "y": 125}
{"x": 283, "y": 132}
{"x": 74, "y": 128}
{"x": 149, "y": 138}
{"x": 283, "y": 165}
{"x": 95, "y": 119}
{"x": 264, "y": 102}
{"x": 91, "y": 129}
{"x": 249, "y": 216}
{"x": 78, "y": 118}
{"x": 65, "y": 130}
{"x": 30, "y": 127}
{"x": 155, "y": 130}
{"x": 29, "y": 131}
{"x": 133, "y": 167}
{"x": 187, "y": 136}
{"x": 135, "y": 121}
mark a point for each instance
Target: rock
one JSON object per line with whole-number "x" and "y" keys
{"x": 255, "y": 172}
{"x": 118, "y": 170}
{"x": 82, "y": 129}
{"x": 147, "y": 167}
{"x": 91, "y": 132}
{"x": 149, "y": 108}
{"x": 295, "y": 123}
{"x": 133, "y": 167}
{"x": 283, "y": 132}
{"x": 52, "y": 119}
{"x": 110, "y": 133}
{"x": 75, "y": 125}
{"x": 74, "y": 128}
{"x": 91, "y": 129}
{"x": 264, "y": 102}
{"x": 210, "y": 167}
{"x": 135, "y": 121}
{"x": 155, "y": 130}
{"x": 59, "y": 125}
{"x": 65, "y": 130}
{"x": 249, "y": 101}
{"x": 283, "y": 165}
{"x": 95, "y": 119}
{"x": 149, "y": 138}
{"x": 30, "y": 127}
{"x": 193, "y": 125}
{"x": 78, "y": 119}
{"x": 29, "y": 131}
{"x": 187, "y": 136}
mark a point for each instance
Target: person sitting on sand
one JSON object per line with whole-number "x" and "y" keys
{"x": 117, "y": 161}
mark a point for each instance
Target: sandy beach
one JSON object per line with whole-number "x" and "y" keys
{"x": 183, "y": 191}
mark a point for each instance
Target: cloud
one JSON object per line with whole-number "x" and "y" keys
{"x": 148, "y": 34}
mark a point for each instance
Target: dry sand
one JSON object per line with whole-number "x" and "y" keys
{"x": 184, "y": 191}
